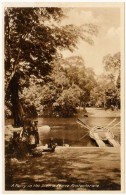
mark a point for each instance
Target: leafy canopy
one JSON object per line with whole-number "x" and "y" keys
{"x": 34, "y": 37}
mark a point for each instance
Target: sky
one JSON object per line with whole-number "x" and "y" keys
{"x": 107, "y": 40}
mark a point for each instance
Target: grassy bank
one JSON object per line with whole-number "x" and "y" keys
{"x": 66, "y": 169}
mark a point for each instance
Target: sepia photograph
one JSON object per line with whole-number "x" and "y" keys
{"x": 63, "y": 97}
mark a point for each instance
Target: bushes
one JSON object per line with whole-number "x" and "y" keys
{"x": 51, "y": 100}
{"x": 68, "y": 101}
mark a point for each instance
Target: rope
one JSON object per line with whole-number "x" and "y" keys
{"x": 84, "y": 126}
{"x": 111, "y": 122}
{"x": 82, "y": 123}
{"x": 114, "y": 125}
{"x": 84, "y": 136}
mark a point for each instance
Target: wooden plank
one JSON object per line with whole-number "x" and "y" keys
{"x": 109, "y": 135}
{"x": 111, "y": 140}
{"x": 100, "y": 143}
{"x": 98, "y": 140}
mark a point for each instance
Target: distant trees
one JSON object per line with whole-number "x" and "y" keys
{"x": 81, "y": 76}
{"x": 107, "y": 91}
{"x": 112, "y": 62}
{"x": 113, "y": 66}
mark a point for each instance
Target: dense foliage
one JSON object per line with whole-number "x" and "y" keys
{"x": 38, "y": 81}
{"x": 34, "y": 37}
{"x": 61, "y": 94}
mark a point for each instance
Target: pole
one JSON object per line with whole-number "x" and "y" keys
{"x": 111, "y": 122}
{"x": 78, "y": 120}
{"x": 84, "y": 136}
{"x": 83, "y": 125}
{"x": 115, "y": 125}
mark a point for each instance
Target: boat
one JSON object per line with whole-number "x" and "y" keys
{"x": 100, "y": 134}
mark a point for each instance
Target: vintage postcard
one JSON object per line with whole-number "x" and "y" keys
{"x": 64, "y": 97}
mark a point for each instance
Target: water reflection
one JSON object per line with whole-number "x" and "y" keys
{"x": 67, "y": 131}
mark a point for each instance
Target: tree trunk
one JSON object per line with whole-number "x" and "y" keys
{"x": 84, "y": 107}
{"x": 17, "y": 109}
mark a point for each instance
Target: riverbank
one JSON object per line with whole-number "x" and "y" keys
{"x": 100, "y": 112}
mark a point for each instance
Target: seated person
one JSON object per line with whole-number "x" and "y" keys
{"x": 52, "y": 145}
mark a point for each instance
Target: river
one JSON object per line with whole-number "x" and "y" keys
{"x": 68, "y": 131}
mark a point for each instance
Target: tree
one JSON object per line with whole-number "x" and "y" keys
{"x": 83, "y": 77}
{"x": 32, "y": 42}
{"x": 112, "y": 63}
{"x": 112, "y": 66}
{"x": 68, "y": 100}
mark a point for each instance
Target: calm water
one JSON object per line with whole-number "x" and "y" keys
{"x": 68, "y": 131}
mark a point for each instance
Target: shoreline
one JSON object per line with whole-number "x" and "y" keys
{"x": 99, "y": 112}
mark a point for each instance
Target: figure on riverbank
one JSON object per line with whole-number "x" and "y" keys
{"x": 36, "y": 132}
{"x": 22, "y": 143}
{"x": 52, "y": 145}
{"x": 30, "y": 133}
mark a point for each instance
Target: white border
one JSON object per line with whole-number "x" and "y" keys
{"x": 1, "y": 80}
